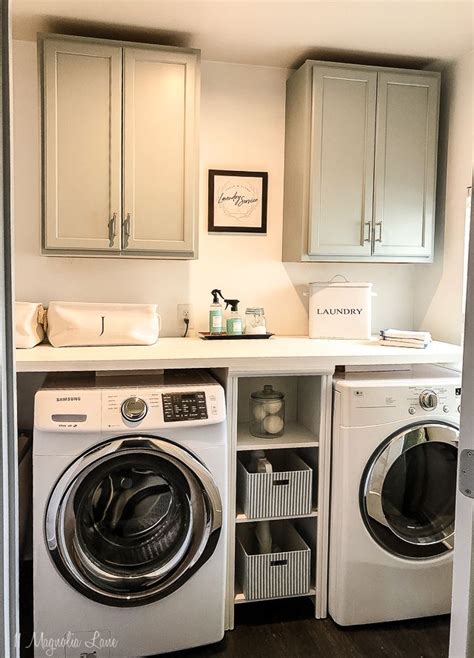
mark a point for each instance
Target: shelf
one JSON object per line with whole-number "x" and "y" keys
{"x": 295, "y": 436}
{"x": 241, "y": 518}
{"x": 240, "y": 598}
{"x": 280, "y": 353}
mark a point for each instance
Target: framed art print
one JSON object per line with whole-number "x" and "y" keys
{"x": 238, "y": 201}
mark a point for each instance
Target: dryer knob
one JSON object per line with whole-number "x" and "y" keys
{"x": 428, "y": 400}
{"x": 134, "y": 409}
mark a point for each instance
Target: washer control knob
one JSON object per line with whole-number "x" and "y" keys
{"x": 459, "y": 408}
{"x": 411, "y": 410}
{"x": 134, "y": 409}
{"x": 446, "y": 409}
{"x": 428, "y": 400}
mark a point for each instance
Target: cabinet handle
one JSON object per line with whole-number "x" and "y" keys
{"x": 367, "y": 237}
{"x": 126, "y": 231}
{"x": 112, "y": 227}
{"x": 379, "y": 224}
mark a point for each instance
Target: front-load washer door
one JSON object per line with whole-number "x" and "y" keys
{"x": 132, "y": 519}
{"x": 408, "y": 491}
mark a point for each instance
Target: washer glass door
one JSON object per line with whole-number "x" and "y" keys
{"x": 132, "y": 519}
{"x": 408, "y": 491}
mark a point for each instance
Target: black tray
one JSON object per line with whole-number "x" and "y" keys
{"x": 205, "y": 335}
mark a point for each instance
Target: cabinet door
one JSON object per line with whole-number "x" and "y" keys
{"x": 82, "y": 145}
{"x": 342, "y": 161}
{"x": 405, "y": 164}
{"x": 160, "y": 111}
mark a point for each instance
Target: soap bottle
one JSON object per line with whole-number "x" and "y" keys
{"x": 234, "y": 321}
{"x": 215, "y": 314}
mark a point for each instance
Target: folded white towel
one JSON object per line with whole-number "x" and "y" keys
{"x": 409, "y": 341}
{"x": 404, "y": 334}
{"x": 392, "y": 342}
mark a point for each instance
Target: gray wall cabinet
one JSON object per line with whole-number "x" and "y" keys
{"x": 360, "y": 164}
{"x": 119, "y": 148}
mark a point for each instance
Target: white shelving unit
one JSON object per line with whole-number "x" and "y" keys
{"x": 307, "y": 432}
{"x": 296, "y": 436}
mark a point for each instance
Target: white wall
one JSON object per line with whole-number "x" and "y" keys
{"x": 242, "y": 127}
{"x": 438, "y": 295}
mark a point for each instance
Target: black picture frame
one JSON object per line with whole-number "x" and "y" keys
{"x": 233, "y": 226}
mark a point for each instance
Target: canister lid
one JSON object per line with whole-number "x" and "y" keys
{"x": 340, "y": 281}
{"x": 340, "y": 284}
{"x": 268, "y": 393}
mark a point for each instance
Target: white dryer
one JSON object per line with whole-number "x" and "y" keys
{"x": 130, "y": 481}
{"x": 395, "y": 438}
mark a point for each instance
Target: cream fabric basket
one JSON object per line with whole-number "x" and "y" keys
{"x": 76, "y": 324}
{"x": 30, "y": 320}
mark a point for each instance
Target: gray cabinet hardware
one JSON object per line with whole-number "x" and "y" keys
{"x": 379, "y": 226}
{"x": 368, "y": 233}
{"x": 126, "y": 231}
{"x": 112, "y": 229}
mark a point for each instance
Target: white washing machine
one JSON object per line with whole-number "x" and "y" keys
{"x": 395, "y": 438}
{"x": 130, "y": 481}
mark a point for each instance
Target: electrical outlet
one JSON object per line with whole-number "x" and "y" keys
{"x": 185, "y": 312}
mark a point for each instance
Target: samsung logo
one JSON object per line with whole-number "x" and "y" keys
{"x": 338, "y": 311}
{"x": 68, "y": 399}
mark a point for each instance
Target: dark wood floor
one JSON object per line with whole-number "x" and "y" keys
{"x": 287, "y": 629}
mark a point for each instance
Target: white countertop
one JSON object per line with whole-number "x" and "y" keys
{"x": 278, "y": 353}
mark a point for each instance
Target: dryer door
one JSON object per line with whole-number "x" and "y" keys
{"x": 408, "y": 491}
{"x": 132, "y": 519}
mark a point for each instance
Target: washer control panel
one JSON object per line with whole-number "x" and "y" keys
{"x": 134, "y": 409}
{"x": 184, "y": 406}
{"x": 159, "y": 407}
{"x": 187, "y": 400}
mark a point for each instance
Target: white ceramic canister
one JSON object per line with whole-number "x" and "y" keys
{"x": 340, "y": 309}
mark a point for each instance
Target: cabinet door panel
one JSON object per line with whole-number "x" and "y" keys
{"x": 405, "y": 164}
{"x": 159, "y": 151}
{"x": 342, "y": 161}
{"x": 82, "y": 145}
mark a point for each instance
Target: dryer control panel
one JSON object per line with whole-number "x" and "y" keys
{"x": 432, "y": 398}
{"x": 382, "y": 400}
